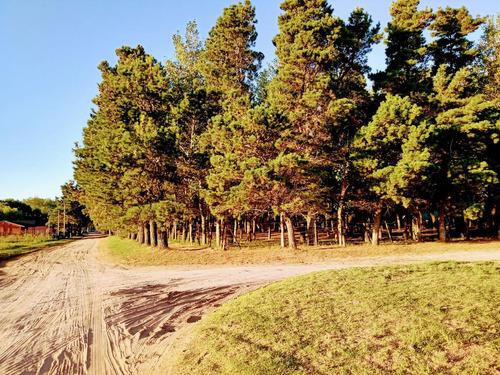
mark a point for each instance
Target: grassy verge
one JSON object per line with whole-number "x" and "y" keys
{"x": 129, "y": 252}
{"x": 12, "y": 246}
{"x": 431, "y": 318}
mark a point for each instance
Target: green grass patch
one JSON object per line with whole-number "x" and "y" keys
{"x": 434, "y": 318}
{"x": 128, "y": 252}
{"x": 12, "y": 246}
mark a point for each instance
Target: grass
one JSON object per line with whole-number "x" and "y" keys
{"x": 433, "y": 318}
{"x": 12, "y": 246}
{"x": 128, "y": 252}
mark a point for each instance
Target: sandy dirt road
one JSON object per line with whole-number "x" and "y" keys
{"x": 62, "y": 311}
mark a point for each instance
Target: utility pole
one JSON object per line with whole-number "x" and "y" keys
{"x": 64, "y": 222}
{"x": 57, "y": 223}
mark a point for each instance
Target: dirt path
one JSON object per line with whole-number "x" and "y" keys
{"x": 64, "y": 312}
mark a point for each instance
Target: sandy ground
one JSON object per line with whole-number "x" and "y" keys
{"x": 62, "y": 311}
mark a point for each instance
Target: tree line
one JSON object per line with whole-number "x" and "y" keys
{"x": 63, "y": 215}
{"x": 210, "y": 142}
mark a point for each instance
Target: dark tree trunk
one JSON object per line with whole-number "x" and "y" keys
{"x": 441, "y": 223}
{"x": 269, "y": 228}
{"x": 377, "y": 218}
{"x": 340, "y": 214}
{"x": 282, "y": 231}
{"x": 292, "y": 244}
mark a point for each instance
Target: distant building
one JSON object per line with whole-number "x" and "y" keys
{"x": 8, "y": 228}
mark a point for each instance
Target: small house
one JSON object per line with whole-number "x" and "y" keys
{"x": 8, "y": 228}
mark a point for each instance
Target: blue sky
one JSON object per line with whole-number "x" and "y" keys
{"x": 48, "y": 68}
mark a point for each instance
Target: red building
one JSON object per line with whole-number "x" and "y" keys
{"x": 8, "y": 228}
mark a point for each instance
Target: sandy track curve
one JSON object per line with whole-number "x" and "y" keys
{"x": 64, "y": 312}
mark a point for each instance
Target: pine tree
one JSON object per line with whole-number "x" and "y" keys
{"x": 391, "y": 154}
{"x": 128, "y": 146}
{"x": 304, "y": 105}
{"x": 405, "y": 73}
{"x": 466, "y": 129}
{"x": 191, "y": 110}
{"x": 349, "y": 69}
{"x": 490, "y": 66}
{"x": 229, "y": 66}
{"x": 451, "y": 47}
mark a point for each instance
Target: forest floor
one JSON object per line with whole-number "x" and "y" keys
{"x": 130, "y": 253}
{"x": 67, "y": 310}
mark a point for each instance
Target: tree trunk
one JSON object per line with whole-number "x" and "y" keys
{"x": 217, "y": 233}
{"x": 209, "y": 231}
{"x": 441, "y": 223}
{"x": 377, "y": 218}
{"x": 203, "y": 229}
{"x": 340, "y": 214}
{"x": 310, "y": 230}
{"x": 254, "y": 232}
{"x": 147, "y": 238}
{"x": 140, "y": 234}
{"x": 249, "y": 230}
{"x": 282, "y": 231}
{"x": 366, "y": 233}
{"x": 417, "y": 226}
{"x": 291, "y": 233}
{"x": 467, "y": 229}
{"x": 225, "y": 224}
{"x": 174, "y": 231}
{"x": 398, "y": 220}
{"x": 153, "y": 233}
{"x": 497, "y": 219}
{"x": 389, "y": 233}
{"x": 162, "y": 234}
{"x": 269, "y": 229}
{"x": 190, "y": 233}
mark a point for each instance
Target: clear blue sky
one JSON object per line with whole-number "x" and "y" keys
{"x": 48, "y": 68}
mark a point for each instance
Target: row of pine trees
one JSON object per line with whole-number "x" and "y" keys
{"x": 211, "y": 140}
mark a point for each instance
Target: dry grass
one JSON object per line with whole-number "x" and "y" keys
{"x": 128, "y": 252}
